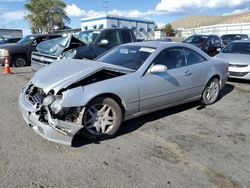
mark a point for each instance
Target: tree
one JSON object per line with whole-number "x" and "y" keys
{"x": 168, "y": 30}
{"x": 45, "y": 15}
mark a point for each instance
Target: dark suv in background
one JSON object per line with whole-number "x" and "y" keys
{"x": 211, "y": 44}
{"x": 226, "y": 39}
{"x": 19, "y": 54}
{"x": 87, "y": 44}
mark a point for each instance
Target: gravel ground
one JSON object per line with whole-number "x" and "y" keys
{"x": 185, "y": 146}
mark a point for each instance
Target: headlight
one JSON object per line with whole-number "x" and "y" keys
{"x": 4, "y": 53}
{"x": 69, "y": 54}
{"x": 56, "y": 106}
{"x": 48, "y": 100}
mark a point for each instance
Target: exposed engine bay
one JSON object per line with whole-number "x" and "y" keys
{"x": 101, "y": 75}
{"x": 48, "y": 105}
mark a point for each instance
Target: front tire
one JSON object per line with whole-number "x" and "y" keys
{"x": 102, "y": 118}
{"x": 19, "y": 61}
{"x": 211, "y": 92}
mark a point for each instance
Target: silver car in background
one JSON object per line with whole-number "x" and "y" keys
{"x": 95, "y": 97}
{"x": 237, "y": 54}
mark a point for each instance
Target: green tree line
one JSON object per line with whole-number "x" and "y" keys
{"x": 45, "y": 15}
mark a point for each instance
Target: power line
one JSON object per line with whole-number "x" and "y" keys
{"x": 105, "y": 6}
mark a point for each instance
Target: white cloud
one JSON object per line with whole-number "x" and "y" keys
{"x": 3, "y": 1}
{"x": 237, "y": 11}
{"x": 74, "y": 11}
{"x": 9, "y": 16}
{"x": 170, "y": 6}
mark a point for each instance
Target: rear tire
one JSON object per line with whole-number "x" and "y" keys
{"x": 102, "y": 119}
{"x": 211, "y": 92}
{"x": 19, "y": 61}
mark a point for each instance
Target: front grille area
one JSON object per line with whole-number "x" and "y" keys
{"x": 42, "y": 58}
{"x": 35, "y": 95}
{"x": 238, "y": 74}
{"x": 237, "y": 65}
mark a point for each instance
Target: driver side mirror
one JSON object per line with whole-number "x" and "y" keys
{"x": 103, "y": 42}
{"x": 158, "y": 69}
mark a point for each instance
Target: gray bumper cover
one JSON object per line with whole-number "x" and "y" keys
{"x": 55, "y": 130}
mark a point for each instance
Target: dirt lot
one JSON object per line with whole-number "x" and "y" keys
{"x": 185, "y": 146}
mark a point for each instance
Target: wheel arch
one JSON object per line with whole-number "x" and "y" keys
{"x": 113, "y": 96}
{"x": 212, "y": 77}
{"x": 19, "y": 54}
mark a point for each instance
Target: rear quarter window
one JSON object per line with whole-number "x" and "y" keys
{"x": 126, "y": 36}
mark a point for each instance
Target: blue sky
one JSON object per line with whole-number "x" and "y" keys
{"x": 160, "y": 11}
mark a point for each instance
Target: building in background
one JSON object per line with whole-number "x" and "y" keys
{"x": 143, "y": 29}
{"x": 11, "y": 33}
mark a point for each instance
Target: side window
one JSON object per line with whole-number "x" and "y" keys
{"x": 210, "y": 40}
{"x": 53, "y": 37}
{"x": 193, "y": 57}
{"x": 40, "y": 39}
{"x": 126, "y": 37}
{"x": 216, "y": 40}
{"x": 171, "y": 57}
{"x": 112, "y": 37}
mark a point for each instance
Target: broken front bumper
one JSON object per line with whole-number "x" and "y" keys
{"x": 54, "y": 130}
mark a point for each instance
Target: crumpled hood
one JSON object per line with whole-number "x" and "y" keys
{"x": 57, "y": 46}
{"x": 235, "y": 58}
{"x": 63, "y": 73}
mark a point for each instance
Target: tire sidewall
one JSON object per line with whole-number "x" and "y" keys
{"x": 119, "y": 117}
{"x": 204, "y": 97}
{"x": 15, "y": 58}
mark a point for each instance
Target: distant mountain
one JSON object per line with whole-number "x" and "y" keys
{"x": 198, "y": 21}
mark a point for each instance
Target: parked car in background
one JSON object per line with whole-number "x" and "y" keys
{"x": 9, "y": 40}
{"x": 94, "y": 97}
{"x": 19, "y": 54}
{"x": 237, "y": 54}
{"x": 87, "y": 44}
{"x": 226, "y": 39}
{"x": 210, "y": 44}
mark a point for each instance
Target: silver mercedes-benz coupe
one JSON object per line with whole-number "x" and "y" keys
{"x": 95, "y": 97}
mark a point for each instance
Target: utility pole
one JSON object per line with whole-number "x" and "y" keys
{"x": 105, "y": 6}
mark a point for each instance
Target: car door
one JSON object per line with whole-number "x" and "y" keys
{"x": 113, "y": 39}
{"x": 199, "y": 67}
{"x": 173, "y": 86}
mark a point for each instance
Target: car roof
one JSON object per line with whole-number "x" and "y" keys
{"x": 158, "y": 44}
{"x": 40, "y": 35}
{"x": 234, "y": 34}
{"x": 106, "y": 29}
{"x": 241, "y": 41}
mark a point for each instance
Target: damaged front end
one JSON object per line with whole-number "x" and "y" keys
{"x": 45, "y": 114}
{"x": 56, "y": 113}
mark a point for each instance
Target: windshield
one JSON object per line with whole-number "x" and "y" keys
{"x": 131, "y": 57}
{"x": 237, "y": 48}
{"x": 196, "y": 39}
{"x": 87, "y": 36}
{"x": 26, "y": 40}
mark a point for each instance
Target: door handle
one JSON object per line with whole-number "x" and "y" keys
{"x": 187, "y": 73}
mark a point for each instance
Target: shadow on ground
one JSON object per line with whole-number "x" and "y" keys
{"x": 235, "y": 80}
{"x": 134, "y": 124}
